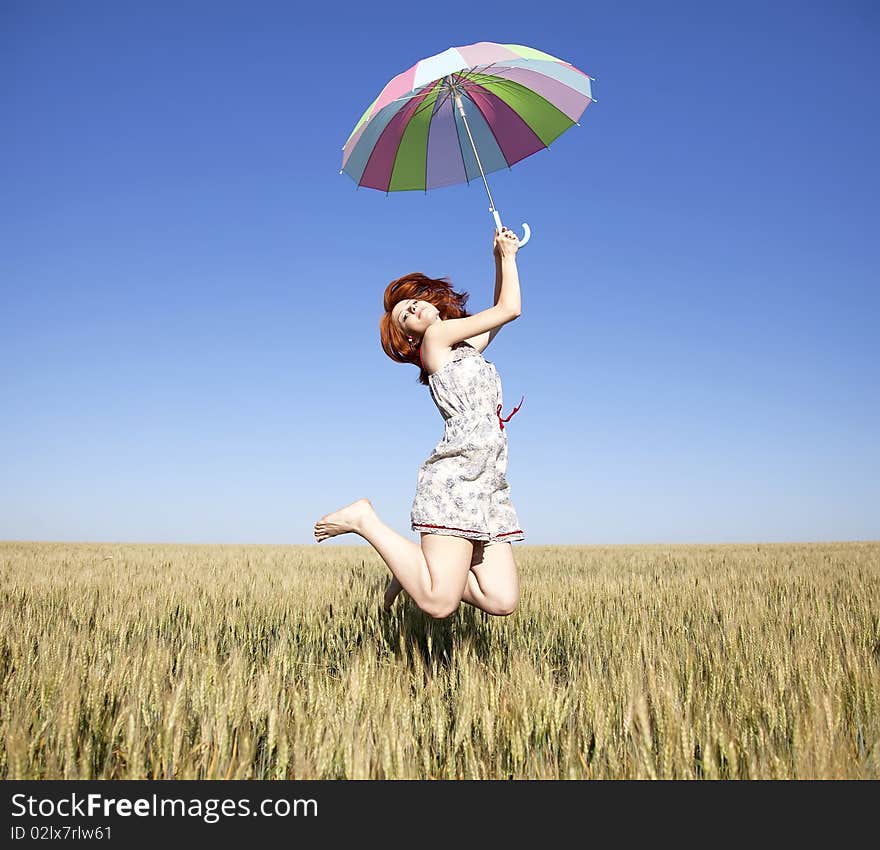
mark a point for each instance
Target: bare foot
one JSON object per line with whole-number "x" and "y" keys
{"x": 349, "y": 518}
{"x": 391, "y": 593}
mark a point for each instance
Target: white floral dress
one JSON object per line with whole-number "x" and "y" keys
{"x": 462, "y": 489}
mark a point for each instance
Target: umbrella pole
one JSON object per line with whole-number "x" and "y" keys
{"x": 492, "y": 209}
{"x": 495, "y": 213}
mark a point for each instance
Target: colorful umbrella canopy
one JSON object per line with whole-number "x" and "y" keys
{"x": 463, "y": 113}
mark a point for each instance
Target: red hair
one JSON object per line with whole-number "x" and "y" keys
{"x": 449, "y": 303}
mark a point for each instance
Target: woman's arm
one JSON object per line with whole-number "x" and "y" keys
{"x": 481, "y": 341}
{"x": 479, "y": 330}
{"x": 507, "y": 291}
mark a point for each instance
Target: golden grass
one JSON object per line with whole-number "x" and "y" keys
{"x": 735, "y": 661}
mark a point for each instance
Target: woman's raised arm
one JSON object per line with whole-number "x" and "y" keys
{"x": 507, "y": 301}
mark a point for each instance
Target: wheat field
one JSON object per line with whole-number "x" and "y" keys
{"x": 262, "y": 662}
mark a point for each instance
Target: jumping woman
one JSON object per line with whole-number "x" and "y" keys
{"x": 462, "y": 506}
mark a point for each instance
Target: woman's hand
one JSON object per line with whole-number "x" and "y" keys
{"x": 505, "y": 244}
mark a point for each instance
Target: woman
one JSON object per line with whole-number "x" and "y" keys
{"x": 462, "y": 506}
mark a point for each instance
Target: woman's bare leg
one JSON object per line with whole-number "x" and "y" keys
{"x": 492, "y": 582}
{"x": 433, "y": 574}
{"x": 392, "y": 591}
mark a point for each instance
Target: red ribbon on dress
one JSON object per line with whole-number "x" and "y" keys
{"x": 497, "y": 409}
{"x": 507, "y": 419}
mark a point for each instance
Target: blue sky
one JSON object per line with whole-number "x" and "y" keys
{"x": 191, "y": 291}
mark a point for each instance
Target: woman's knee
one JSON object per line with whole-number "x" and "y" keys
{"x": 448, "y": 558}
{"x": 506, "y": 602}
{"x": 441, "y": 607}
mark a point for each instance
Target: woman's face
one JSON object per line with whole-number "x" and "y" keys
{"x": 413, "y": 316}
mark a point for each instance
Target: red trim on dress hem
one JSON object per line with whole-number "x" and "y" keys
{"x": 468, "y": 530}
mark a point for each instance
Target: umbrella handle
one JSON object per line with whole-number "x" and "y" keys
{"x": 527, "y": 231}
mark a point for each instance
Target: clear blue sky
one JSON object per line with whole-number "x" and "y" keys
{"x": 191, "y": 291}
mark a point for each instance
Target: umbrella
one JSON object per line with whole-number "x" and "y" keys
{"x": 464, "y": 113}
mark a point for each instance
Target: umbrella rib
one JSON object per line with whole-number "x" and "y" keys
{"x": 412, "y": 94}
{"x": 453, "y": 78}
{"x": 443, "y": 98}
{"x": 527, "y": 124}
{"x": 460, "y": 148}
{"x": 491, "y": 130}
{"x": 499, "y": 81}
{"x": 435, "y": 108}
{"x": 466, "y": 77}
{"x": 423, "y": 106}
{"x": 424, "y": 93}
{"x": 502, "y": 81}
{"x": 409, "y": 96}
{"x": 476, "y": 69}
{"x": 505, "y": 83}
{"x": 469, "y": 76}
